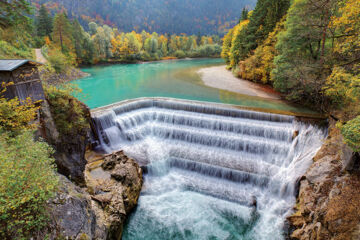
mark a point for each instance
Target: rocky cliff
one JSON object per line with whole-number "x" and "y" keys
{"x": 329, "y": 195}
{"x": 99, "y": 210}
{"x": 69, "y": 149}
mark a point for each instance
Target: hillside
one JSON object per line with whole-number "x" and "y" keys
{"x": 162, "y": 16}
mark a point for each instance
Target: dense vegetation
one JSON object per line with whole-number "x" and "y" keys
{"x": 69, "y": 114}
{"x": 68, "y": 43}
{"x": 308, "y": 50}
{"x": 27, "y": 173}
{"x": 15, "y": 29}
{"x": 162, "y": 16}
{"x": 65, "y": 43}
{"x": 27, "y": 181}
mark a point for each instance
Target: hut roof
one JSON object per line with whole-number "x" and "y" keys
{"x": 8, "y": 65}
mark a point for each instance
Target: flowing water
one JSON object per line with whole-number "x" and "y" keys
{"x": 175, "y": 79}
{"x": 211, "y": 171}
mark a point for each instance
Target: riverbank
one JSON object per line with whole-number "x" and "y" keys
{"x": 219, "y": 77}
{"x": 166, "y": 59}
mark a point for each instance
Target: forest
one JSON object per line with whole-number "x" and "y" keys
{"x": 65, "y": 43}
{"x": 162, "y": 16}
{"x": 307, "y": 50}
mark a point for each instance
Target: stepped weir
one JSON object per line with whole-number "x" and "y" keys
{"x": 212, "y": 170}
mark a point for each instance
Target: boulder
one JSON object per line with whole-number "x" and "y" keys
{"x": 116, "y": 196}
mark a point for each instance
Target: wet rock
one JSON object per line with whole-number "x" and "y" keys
{"x": 119, "y": 173}
{"x": 114, "y": 198}
{"x": 329, "y": 197}
{"x": 104, "y": 199}
{"x": 111, "y": 160}
{"x": 295, "y": 134}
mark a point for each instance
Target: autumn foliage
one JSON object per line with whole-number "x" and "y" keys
{"x": 14, "y": 116}
{"x": 27, "y": 181}
{"x": 307, "y": 50}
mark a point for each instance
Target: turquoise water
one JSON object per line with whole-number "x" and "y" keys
{"x": 174, "y": 78}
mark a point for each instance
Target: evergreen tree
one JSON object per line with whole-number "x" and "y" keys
{"x": 62, "y": 33}
{"x": 244, "y": 14}
{"x": 44, "y": 23}
{"x": 14, "y": 12}
{"x": 198, "y": 39}
{"x": 263, "y": 21}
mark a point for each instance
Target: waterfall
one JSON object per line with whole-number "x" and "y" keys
{"x": 227, "y": 157}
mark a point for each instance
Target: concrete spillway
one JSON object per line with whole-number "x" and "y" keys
{"x": 213, "y": 150}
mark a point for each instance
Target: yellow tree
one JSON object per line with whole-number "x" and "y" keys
{"x": 225, "y": 53}
{"x": 14, "y": 116}
{"x": 238, "y": 50}
{"x": 343, "y": 85}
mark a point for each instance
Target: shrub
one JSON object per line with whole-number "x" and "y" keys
{"x": 13, "y": 116}
{"x": 27, "y": 181}
{"x": 351, "y": 133}
{"x": 58, "y": 61}
{"x": 342, "y": 87}
{"x": 179, "y": 54}
{"x": 9, "y": 51}
{"x": 208, "y": 50}
{"x": 70, "y": 115}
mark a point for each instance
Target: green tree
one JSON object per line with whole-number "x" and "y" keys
{"x": 244, "y": 14}
{"x": 92, "y": 28}
{"x": 102, "y": 42}
{"x": 84, "y": 47}
{"x": 14, "y": 12}
{"x": 263, "y": 20}
{"x": 62, "y": 33}
{"x": 300, "y": 70}
{"x": 44, "y": 23}
{"x": 164, "y": 50}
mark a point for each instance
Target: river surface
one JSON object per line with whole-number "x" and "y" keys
{"x": 173, "y": 78}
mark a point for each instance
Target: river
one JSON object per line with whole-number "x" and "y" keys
{"x": 174, "y": 78}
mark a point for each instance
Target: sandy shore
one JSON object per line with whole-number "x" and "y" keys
{"x": 219, "y": 77}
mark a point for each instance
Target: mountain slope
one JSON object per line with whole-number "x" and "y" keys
{"x": 163, "y": 16}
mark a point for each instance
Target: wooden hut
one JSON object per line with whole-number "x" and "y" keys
{"x": 25, "y": 77}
